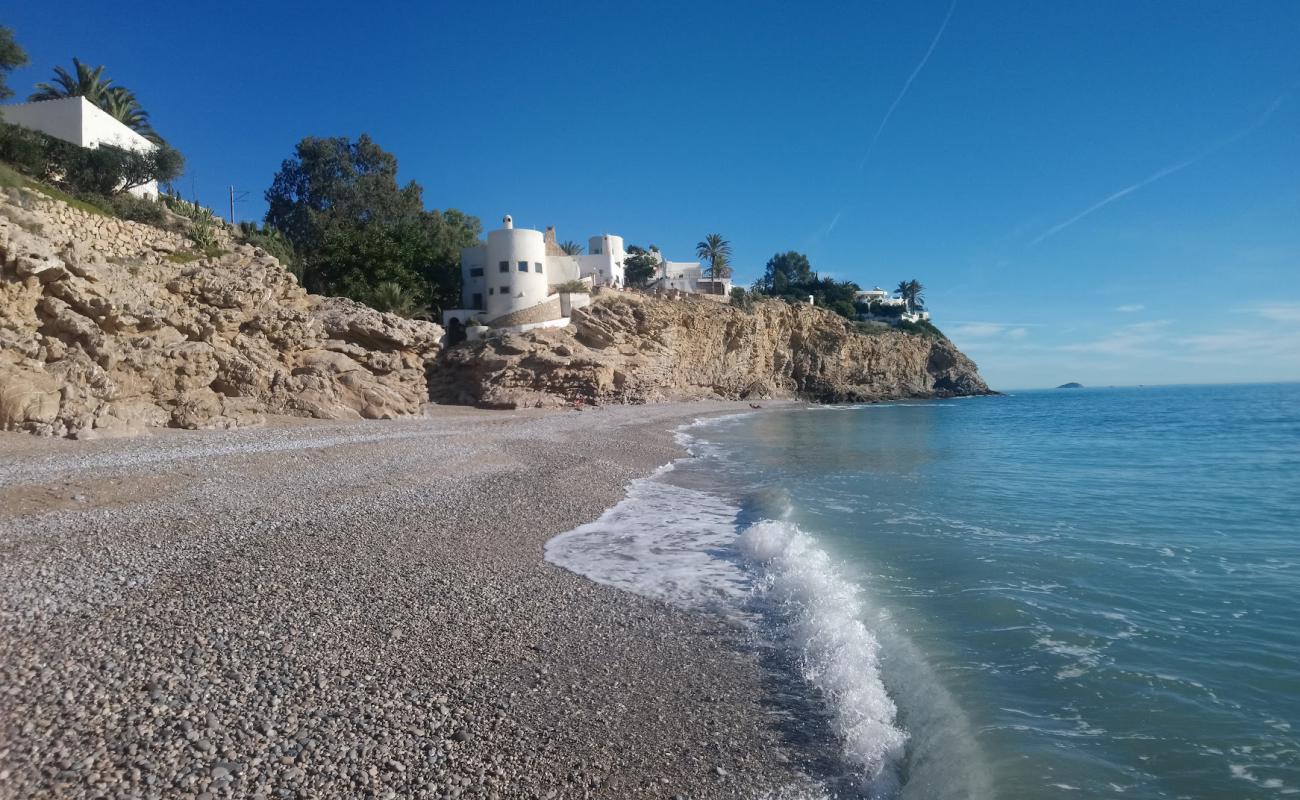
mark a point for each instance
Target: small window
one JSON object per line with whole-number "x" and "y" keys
{"x": 537, "y": 268}
{"x": 478, "y": 300}
{"x": 504, "y": 290}
{"x": 476, "y": 272}
{"x": 504, "y": 265}
{"x": 523, "y": 266}
{"x": 491, "y": 290}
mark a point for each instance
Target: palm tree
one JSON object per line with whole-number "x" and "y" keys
{"x": 571, "y": 248}
{"x": 90, "y": 83}
{"x": 717, "y": 251}
{"x": 912, "y": 293}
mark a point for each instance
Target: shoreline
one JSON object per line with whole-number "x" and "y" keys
{"x": 351, "y": 608}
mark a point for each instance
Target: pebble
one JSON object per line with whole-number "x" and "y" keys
{"x": 318, "y": 608}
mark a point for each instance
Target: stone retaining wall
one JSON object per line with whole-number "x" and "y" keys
{"x": 111, "y": 237}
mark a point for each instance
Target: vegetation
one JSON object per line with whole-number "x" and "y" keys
{"x": 12, "y": 177}
{"x": 395, "y": 298}
{"x": 137, "y": 209}
{"x": 90, "y": 83}
{"x": 573, "y": 286}
{"x": 571, "y": 248}
{"x": 184, "y": 256}
{"x": 921, "y": 328}
{"x": 717, "y": 251}
{"x": 201, "y": 233}
{"x": 877, "y": 309}
{"x": 97, "y": 172}
{"x": 913, "y": 293}
{"x": 276, "y": 244}
{"x": 790, "y": 276}
{"x": 640, "y": 266}
{"x": 352, "y": 227}
{"x": 742, "y": 299}
{"x": 12, "y": 56}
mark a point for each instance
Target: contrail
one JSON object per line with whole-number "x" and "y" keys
{"x": 1163, "y": 173}
{"x": 907, "y": 85}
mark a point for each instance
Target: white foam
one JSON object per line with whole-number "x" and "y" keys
{"x": 680, "y": 545}
{"x": 660, "y": 542}
{"x": 838, "y": 655}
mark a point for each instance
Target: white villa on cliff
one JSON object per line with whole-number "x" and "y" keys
{"x": 511, "y": 281}
{"x": 81, "y": 122}
{"x": 880, "y": 297}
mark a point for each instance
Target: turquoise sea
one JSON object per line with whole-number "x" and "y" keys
{"x": 1049, "y": 594}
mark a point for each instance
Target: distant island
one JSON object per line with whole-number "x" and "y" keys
{"x": 1070, "y": 385}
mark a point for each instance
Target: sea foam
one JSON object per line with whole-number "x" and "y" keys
{"x": 821, "y": 613}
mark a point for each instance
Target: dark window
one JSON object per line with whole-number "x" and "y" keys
{"x": 478, "y": 300}
{"x": 537, "y": 268}
{"x": 476, "y": 272}
{"x": 504, "y": 290}
{"x": 491, "y": 290}
{"x": 523, "y": 266}
{"x": 505, "y": 266}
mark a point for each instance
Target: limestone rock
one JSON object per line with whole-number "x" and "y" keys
{"x": 102, "y": 334}
{"x": 627, "y": 348}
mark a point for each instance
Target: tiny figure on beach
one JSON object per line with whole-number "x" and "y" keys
{"x": 754, "y": 405}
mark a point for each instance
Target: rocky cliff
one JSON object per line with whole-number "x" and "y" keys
{"x": 628, "y": 348}
{"x": 110, "y": 326}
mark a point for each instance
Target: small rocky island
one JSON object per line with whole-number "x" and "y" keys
{"x": 1070, "y": 385}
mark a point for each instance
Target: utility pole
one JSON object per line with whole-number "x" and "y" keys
{"x": 234, "y": 196}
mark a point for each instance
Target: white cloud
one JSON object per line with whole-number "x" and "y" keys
{"x": 1130, "y": 309}
{"x": 971, "y": 330}
{"x": 1279, "y": 312}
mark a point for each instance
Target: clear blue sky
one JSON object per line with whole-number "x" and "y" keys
{"x": 1106, "y": 192}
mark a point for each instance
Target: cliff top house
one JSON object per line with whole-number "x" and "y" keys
{"x": 81, "y": 122}
{"x": 510, "y": 281}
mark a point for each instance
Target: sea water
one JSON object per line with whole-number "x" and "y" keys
{"x": 1050, "y": 594}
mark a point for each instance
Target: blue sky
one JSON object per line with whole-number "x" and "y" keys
{"x": 1106, "y": 192}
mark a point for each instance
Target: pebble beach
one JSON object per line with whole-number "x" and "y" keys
{"x": 359, "y": 609}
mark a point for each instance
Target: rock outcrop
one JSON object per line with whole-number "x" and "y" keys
{"x": 104, "y": 329}
{"x": 628, "y": 348}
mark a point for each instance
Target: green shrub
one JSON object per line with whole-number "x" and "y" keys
{"x": 137, "y": 209}
{"x": 202, "y": 233}
{"x": 274, "y": 243}
{"x": 573, "y": 286}
{"x": 922, "y": 328}
{"x": 104, "y": 171}
{"x": 742, "y": 299}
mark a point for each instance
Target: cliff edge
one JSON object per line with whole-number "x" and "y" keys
{"x": 109, "y": 326}
{"x": 629, "y": 348}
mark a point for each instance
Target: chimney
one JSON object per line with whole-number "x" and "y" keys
{"x": 508, "y": 222}
{"x": 549, "y": 236}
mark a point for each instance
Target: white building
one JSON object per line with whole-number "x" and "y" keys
{"x": 688, "y": 276}
{"x": 81, "y": 122}
{"x": 880, "y": 297}
{"x": 510, "y": 280}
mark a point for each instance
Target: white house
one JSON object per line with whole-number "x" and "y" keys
{"x": 880, "y": 297}
{"x": 81, "y": 122}
{"x": 688, "y": 276}
{"x": 510, "y": 280}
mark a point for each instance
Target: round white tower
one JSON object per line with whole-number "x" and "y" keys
{"x": 515, "y": 271}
